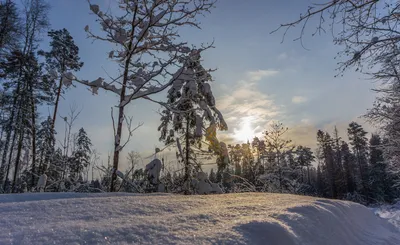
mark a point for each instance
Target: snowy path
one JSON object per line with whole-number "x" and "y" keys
{"x": 168, "y": 219}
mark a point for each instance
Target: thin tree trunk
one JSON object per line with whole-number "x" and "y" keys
{"x": 17, "y": 160}
{"x": 33, "y": 113}
{"x": 9, "y": 161}
{"x": 56, "y": 104}
{"x": 187, "y": 163}
{"x": 9, "y": 132}
{"x": 308, "y": 175}
{"x": 121, "y": 108}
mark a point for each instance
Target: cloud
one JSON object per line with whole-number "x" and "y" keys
{"x": 246, "y": 101}
{"x": 260, "y": 74}
{"x": 299, "y": 99}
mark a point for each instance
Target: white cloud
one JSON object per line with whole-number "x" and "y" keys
{"x": 247, "y": 101}
{"x": 299, "y": 99}
{"x": 260, "y": 74}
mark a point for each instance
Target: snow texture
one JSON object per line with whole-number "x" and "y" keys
{"x": 390, "y": 212}
{"x": 248, "y": 218}
{"x": 153, "y": 170}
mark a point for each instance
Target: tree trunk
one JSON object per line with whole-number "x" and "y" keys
{"x": 117, "y": 137}
{"x": 33, "y": 113}
{"x": 56, "y": 104}
{"x": 17, "y": 160}
{"x": 117, "y": 144}
{"x": 308, "y": 175}
{"x": 187, "y": 163}
{"x": 9, "y": 132}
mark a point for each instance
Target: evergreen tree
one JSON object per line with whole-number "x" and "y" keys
{"x": 379, "y": 185}
{"x": 304, "y": 157}
{"x": 358, "y": 141}
{"x": 192, "y": 109}
{"x": 325, "y": 144}
{"x": 10, "y": 27}
{"x": 45, "y": 148}
{"x": 81, "y": 156}
{"x": 277, "y": 148}
{"x": 63, "y": 57}
{"x": 349, "y": 167}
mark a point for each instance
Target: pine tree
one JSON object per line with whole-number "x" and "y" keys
{"x": 304, "y": 157}
{"x": 277, "y": 148}
{"x": 45, "y": 148}
{"x": 358, "y": 141}
{"x": 325, "y": 143}
{"x": 379, "y": 186}
{"x": 81, "y": 156}
{"x": 63, "y": 57}
{"x": 349, "y": 167}
{"x": 10, "y": 27}
{"x": 191, "y": 111}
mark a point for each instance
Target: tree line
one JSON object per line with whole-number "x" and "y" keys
{"x": 355, "y": 170}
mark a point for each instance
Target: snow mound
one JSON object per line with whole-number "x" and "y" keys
{"x": 250, "y": 218}
{"x": 390, "y": 212}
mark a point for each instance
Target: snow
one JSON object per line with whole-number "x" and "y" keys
{"x": 249, "y": 218}
{"x": 390, "y": 212}
{"x": 154, "y": 170}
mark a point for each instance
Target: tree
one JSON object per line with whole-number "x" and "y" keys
{"x": 25, "y": 72}
{"x": 146, "y": 49}
{"x": 304, "y": 157}
{"x": 379, "y": 179}
{"x": 63, "y": 57}
{"x": 45, "y": 147}
{"x": 348, "y": 165}
{"x": 133, "y": 160}
{"x": 10, "y": 27}
{"x": 325, "y": 144}
{"x": 358, "y": 141}
{"x": 81, "y": 156}
{"x": 192, "y": 109}
{"x": 367, "y": 32}
{"x": 277, "y": 148}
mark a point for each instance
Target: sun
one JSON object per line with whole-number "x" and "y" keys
{"x": 246, "y": 131}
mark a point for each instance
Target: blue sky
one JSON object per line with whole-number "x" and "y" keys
{"x": 259, "y": 79}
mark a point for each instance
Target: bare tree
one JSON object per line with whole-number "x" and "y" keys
{"x": 147, "y": 50}
{"x": 367, "y": 30}
{"x": 133, "y": 160}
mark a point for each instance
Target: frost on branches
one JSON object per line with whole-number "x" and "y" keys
{"x": 190, "y": 114}
{"x": 146, "y": 46}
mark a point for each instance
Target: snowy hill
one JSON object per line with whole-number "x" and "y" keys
{"x": 71, "y": 218}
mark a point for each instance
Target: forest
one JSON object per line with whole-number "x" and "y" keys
{"x": 144, "y": 41}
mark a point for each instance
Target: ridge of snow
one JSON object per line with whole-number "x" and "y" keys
{"x": 248, "y": 218}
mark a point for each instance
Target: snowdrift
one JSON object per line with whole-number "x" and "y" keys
{"x": 249, "y": 218}
{"x": 389, "y": 212}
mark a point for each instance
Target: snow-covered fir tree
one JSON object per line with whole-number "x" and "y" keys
{"x": 80, "y": 156}
{"x": 192, "y": 109}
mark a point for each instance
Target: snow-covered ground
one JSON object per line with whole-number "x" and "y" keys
{"x": 389, "y": 212}
{"x": 249, "y": 218}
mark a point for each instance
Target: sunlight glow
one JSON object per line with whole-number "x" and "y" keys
{"x": 246, "y": 131}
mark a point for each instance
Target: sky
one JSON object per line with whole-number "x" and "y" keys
{"x": 258, "y": 79}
